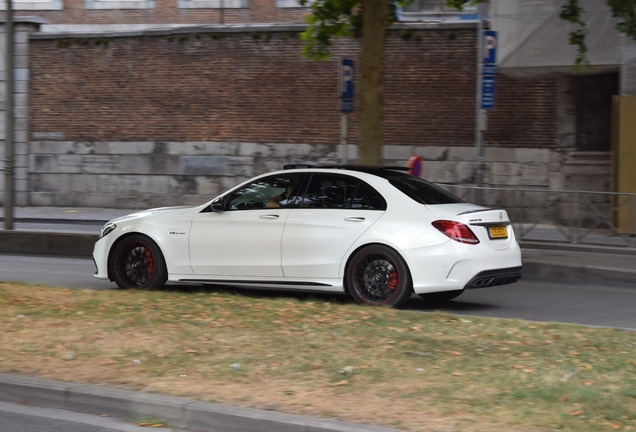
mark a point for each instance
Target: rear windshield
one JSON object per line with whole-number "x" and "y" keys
{"x": 422, "y": 191}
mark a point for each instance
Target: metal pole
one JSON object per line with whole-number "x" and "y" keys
{"x": 8, "y": 153}
{"x": 344, "y": 131}
{"x": 478, "y": 111}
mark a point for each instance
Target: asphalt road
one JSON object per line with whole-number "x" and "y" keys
{"x": 528, "y": 299}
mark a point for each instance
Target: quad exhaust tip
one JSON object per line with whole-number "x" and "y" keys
{"x": 492, "y": 278}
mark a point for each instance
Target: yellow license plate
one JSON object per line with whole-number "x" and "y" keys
{"x": 498, "y": 232}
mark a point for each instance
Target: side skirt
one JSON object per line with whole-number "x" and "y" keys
{"x": 255, "y": 283}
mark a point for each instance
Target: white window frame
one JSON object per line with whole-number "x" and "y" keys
{"x": 439, "y": 7}
{"x": 213, "y": 4}
{"x": 27, "y": 5}
{"x": 119, "y": 4}
{"x": 288, "y": 4}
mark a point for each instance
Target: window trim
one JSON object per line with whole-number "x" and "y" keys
{"x": 213, "y": 4}
{"x": 119, "y": 4}
{"x": 34, "y": 5}
{"x": 288, "y": 4}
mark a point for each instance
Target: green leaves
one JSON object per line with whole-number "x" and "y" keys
{"x": 341, "y": 18}
{"x": 625, "y": 11}
{"x": 328, "y": 19}
{"x": 572, "y": 12}
{"x": 459, "y": 4}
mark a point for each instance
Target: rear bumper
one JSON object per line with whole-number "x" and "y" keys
{"x": 455, "y": 266}
{"x": 490, "y": 278}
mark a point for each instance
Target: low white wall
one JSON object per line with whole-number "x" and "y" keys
{"x": 134, "y": 175}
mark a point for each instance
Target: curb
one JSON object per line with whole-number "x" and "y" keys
{"x": 47, "y": 243}
{"x": 571, "y": 247}
{"x": 57, "y": 221}
{"x": 577, "y": 273}
{"x": 179, "y": 412}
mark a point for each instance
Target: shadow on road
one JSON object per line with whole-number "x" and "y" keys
{"x": 415, "y": 303}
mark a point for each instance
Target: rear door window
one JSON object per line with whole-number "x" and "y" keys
{"x": 333, "y": 191}
{"x": 367, "y": 198}
{"x": 422, "y": 191}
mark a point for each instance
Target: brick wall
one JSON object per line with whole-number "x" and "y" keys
{"x": 254, "y": 87}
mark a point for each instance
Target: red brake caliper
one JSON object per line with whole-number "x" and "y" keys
{"x": 393, "y": 280}
{"x": 151, "y": 262}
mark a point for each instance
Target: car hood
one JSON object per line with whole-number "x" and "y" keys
{"x": 156, "y": 212}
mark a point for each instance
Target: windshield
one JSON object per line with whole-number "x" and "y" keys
{"x": 422, "y": 191}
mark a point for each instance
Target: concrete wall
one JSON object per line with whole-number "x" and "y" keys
{"x": 153, "y": 174}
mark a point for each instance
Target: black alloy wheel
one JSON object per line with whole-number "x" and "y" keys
{"x": 137, "y": 262}
{"x": 377, "y": 275}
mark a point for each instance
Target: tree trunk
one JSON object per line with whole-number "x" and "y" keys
{"x": 375, "y": 23}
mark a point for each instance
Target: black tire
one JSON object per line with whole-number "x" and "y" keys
{"x": 441, "y": 296}
{"x": 377, "y": 275}
{"x": 137, "y": 262}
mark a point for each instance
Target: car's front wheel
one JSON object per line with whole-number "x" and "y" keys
{"x": 137, "y": 262}
{"x": 377, "y": 275}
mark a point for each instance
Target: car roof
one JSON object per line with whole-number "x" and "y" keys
{"x": 380, "y": 171}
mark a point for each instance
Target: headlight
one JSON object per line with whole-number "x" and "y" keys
{"x": 106, "y": 229}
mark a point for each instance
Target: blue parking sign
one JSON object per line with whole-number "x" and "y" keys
{"x": 490, "y": 47}
{"x": 346, "y": 76}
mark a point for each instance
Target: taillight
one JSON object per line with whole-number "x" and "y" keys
{"x": 456, "y": 231}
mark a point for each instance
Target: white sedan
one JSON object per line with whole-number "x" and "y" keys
{"x": 376, "y": 233}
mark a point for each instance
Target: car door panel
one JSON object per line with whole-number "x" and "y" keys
{"x": 315, "y": 240}
{"x": 237, "y": 243}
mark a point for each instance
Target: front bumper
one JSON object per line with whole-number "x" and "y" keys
{"x": 100, "y": 258}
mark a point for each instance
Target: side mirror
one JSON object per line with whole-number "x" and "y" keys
{"x": 217, "y": 205}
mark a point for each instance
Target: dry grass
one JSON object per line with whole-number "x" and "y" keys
{"x": 401, "y": 369}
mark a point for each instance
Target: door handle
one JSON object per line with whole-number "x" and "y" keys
{"x": 354, "y": 219}
{"x": 269, "y": 216}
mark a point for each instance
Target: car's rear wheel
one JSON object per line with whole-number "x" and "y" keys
{"x": 377, "y": 275}
{"x": 137, "y": 262}
{"x": 441, "y": 296}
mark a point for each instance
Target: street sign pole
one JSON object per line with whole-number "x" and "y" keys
{"x": 486, "y": 77}
{"x": 478, "y": 111}
{"x": 344, "y": 132}
{"x": 8, "y": 134}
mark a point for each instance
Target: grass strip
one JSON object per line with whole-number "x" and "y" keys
{"x": 403, "y": 369}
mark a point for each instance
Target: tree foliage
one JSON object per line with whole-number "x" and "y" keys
{"x": 571, "y": 11}
{"x": 334, "y": 18}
